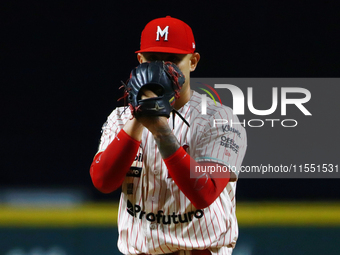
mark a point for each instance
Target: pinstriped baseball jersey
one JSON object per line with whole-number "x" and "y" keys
{"x": 154, "y": 216}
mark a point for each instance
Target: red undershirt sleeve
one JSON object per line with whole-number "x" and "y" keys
{"x": 201, "y": 189}
{"x": 110, "y": 167}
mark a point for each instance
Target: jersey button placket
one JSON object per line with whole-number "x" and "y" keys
{"x": 153, "y": 226}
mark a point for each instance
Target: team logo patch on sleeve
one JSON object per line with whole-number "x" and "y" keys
{"x": 228, "y": 128}
{"x": 228, "y": 142}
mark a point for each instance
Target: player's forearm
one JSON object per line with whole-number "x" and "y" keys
{"x": 200, "y": 188}
{"x": 166, "y": 142}
{"x": 134, "y": 129}
{"x": 110, "y": 167}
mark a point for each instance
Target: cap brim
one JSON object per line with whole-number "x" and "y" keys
{"x": 165, "y": 50}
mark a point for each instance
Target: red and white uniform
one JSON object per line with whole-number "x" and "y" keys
{"x": 155, "y": 217}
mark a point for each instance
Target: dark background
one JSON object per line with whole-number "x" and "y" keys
{"x": 63, "y": 62}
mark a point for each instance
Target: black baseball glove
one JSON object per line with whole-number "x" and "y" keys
{"x": 164, "y": 79}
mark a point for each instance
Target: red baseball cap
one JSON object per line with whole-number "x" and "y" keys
{"x": 167, "y": 35}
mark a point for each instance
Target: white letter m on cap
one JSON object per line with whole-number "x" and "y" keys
{"x": 163, "y": 32}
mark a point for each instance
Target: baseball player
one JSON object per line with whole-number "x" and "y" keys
{"x": 177, "y": 170}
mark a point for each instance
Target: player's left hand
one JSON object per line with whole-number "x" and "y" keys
{"x": 161, "y": 82}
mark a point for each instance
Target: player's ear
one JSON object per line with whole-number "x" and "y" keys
{"x": 140, "y": 58}
{"x": 195, "y": 57}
